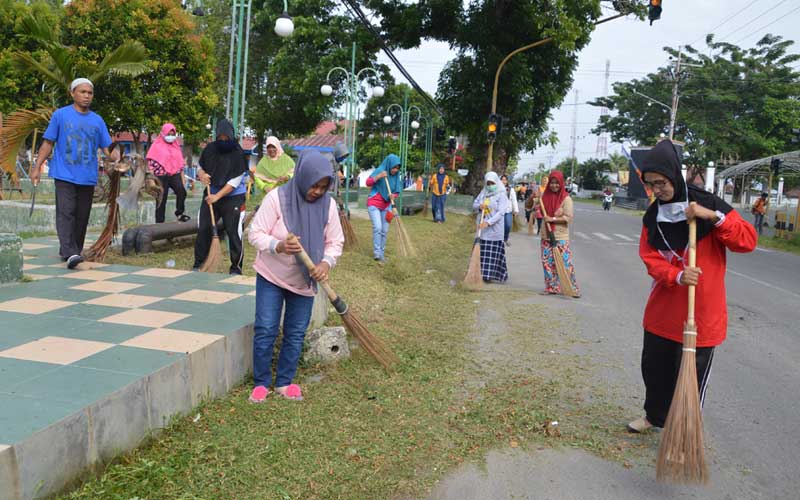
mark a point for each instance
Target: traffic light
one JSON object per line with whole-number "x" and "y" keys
{"x": 654, "y": 11}
{"x": 776, "y": 165}
{"x": 451, "y": 145}
{"x": 439, "y": 134}
{"x": 491, "y": 131}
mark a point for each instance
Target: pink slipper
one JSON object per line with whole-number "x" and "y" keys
{"x": 292, "y": 391}
{"x": 259, "y": 394}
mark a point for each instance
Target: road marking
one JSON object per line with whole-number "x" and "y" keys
{"x": 764, "y": 250}
{"x": 764, "y": 283}
{"x": 602, "y": 236}
{"x": 633, "y": 244}
{"x": 622, "y": 236}
{"x": 582, "y": 235}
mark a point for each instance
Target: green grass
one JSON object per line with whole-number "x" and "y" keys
{"x": 791, "y": 245}
{"x": 365, "y": 434}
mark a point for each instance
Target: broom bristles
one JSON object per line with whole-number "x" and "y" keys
{"x": 368, "y": 340}
{"x": 350, "y": 239}
{"x": 214, "y": 257}
{"x": 404, "y": 246}
{"x": 681, "y": 457}
{"x": 514, "y": 224}
{"x": 563, "y": 276}
{"x": 474, "y": 280}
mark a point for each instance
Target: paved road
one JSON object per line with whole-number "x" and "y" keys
{"x": 752, "y": 410}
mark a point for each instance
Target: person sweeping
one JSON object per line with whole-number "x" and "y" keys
{"x": 379, "y": 203}
{"x": 303, "y": 208}
{"x": 223, "y": 167}
{"x": 165, "y": 161}
{"x": 557, "y": 216}
{"x": 663, "y": 247}
{"x": 491, "y": 204}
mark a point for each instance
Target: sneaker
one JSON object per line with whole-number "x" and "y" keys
{"x": 508, "y": 243}
{"x": 259, "y": 394}
{"x": 639, "y": 425}
{"x": 184, "y": 218}
{"x": 73, "y": 261}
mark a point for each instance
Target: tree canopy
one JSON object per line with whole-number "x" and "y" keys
{"x": 531, "y": 84}
{"x": 740, "y": 103}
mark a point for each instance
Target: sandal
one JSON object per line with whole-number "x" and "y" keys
{"x": 259, "y": 394}
{"x": 291, "y": 391}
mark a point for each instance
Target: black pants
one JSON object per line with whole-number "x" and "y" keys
{"x": 171, "y": 182}
{"x": 661, "y": 362}
{"x": 73, "y": 206}
{"x": 539, "y": 225}
{"x": 227, "y": 208}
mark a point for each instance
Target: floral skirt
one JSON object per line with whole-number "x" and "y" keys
{"x": 551, "y": 283}
{"x": 493, "y": 261}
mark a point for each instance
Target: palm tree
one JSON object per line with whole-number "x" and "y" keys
{"x": 58, "y": 68}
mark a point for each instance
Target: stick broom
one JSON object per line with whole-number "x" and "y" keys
{"x": 681, "y": 457}
{"x": 214, "y": 256}
{"x": 474, "y": 279}
{"x": 404, "y": 246}
{"x": 369, "y": 341}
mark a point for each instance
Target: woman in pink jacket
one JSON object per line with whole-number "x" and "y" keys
{"x": 302, "y": 207}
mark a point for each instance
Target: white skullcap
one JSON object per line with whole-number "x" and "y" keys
{"x": 79, "y": 81}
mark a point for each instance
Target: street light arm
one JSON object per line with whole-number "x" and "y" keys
{"x": 669, "y": 108}
{"x": 346, "y": 73}
{"x": 419, "y": 112}
{"x": 285, "y": 5}
{"x": 373, "y": 70}
{"x": 392, "y": 106}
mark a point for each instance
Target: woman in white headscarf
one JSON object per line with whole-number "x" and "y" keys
{"x": 492, "y": 204}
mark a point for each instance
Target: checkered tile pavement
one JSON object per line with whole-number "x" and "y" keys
{"x": 68, "y": 338}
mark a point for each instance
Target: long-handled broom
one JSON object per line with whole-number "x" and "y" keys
{"x": 368, "y": 340}
{"x": 474, "y": 279}
{"x": 561, "y": 269}
{"x": 214, "y": 257}
{"x": 404, "y": 246}
{"x": 681, "y": 457}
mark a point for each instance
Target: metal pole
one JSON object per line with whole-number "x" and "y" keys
{"x": 351, "y": 121}
{"x": 674, "y": 110}
{"x": 403, "y": 150}
{"x": 244, "y": 76}
{"x": 230, "y": 61}
{"x": 238, "y": 79}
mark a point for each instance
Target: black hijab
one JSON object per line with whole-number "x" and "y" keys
{"x": 663, "y": 159}
{"x": 223, "y": 160}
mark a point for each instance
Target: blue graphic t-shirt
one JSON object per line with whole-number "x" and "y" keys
{"x": 77, "y": 137}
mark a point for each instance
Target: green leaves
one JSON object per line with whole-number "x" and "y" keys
{"x": 127, "y": 59}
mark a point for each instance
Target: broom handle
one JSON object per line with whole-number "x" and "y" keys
{"x": 211, "y": 208}
{"x": 389, "y": 188}
{"x": 305, "y": 259}
{"x": 544, "y": 212}
{"x": 692, "y": 263}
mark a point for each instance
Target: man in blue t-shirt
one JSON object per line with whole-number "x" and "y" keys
{"x": 76, "y": 133}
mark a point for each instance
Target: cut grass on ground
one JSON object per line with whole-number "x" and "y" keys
{"x": 363, "y": 434}
{"x": 792, "y": 245}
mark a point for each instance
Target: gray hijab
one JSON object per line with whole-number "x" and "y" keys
{"x": 301, "y": 217}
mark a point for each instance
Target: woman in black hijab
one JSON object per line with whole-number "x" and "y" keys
{"x": 222, "y": 169}
{"x": 663, "y": 249}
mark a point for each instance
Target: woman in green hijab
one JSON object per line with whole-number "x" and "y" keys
{"x": 275, "y": 169}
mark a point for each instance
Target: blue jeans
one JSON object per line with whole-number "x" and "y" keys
{"x": 270, "y": 299}
{"x": 437, "y": 205}
{"x": 380, "y": 228}
{"x": 507, "y": 223}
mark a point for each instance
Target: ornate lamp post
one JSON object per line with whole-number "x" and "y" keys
{"x": 352, "y": 86}
{"x": 405, "y": 124}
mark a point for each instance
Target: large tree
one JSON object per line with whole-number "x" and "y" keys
{"x": 532, "y": 83}
{"x": 285, "y": 75}
{"x": 180, "y": 87}
{"x": 735, "y": 103}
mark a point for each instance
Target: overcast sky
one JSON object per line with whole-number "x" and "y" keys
{"x": 634, "y": 49}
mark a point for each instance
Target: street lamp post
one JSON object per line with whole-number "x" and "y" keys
{"x": 673, "y": 110}
{"x": 240, "y": 46}
{"x": 405, "y": 115}
{"x": 503, "y": 63}
{"x": 352, "y": 85}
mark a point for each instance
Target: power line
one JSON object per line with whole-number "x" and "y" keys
{"x": 781, "y": 18}
{"x": 363, "y": 18}
{"x": 725, "y": 21}
{"x": 751, "y": 21}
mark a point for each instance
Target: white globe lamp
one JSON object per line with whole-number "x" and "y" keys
{"x": 377, "y": 91}
{"x": 284, "y": 26}
{"x": 415, "y": 124}
{"x": 387, "y": 119}
{"x": 326, "y": 90}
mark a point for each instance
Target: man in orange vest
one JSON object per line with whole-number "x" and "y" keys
{"x": 440, "y": 186}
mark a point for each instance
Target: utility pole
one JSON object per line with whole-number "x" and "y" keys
{"x": 574, "y": 138}
{"x": 602, "y": 139}
{"x": 675, "y": 97}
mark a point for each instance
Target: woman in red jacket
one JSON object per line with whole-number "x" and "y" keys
{"x": 663, "y": 247}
